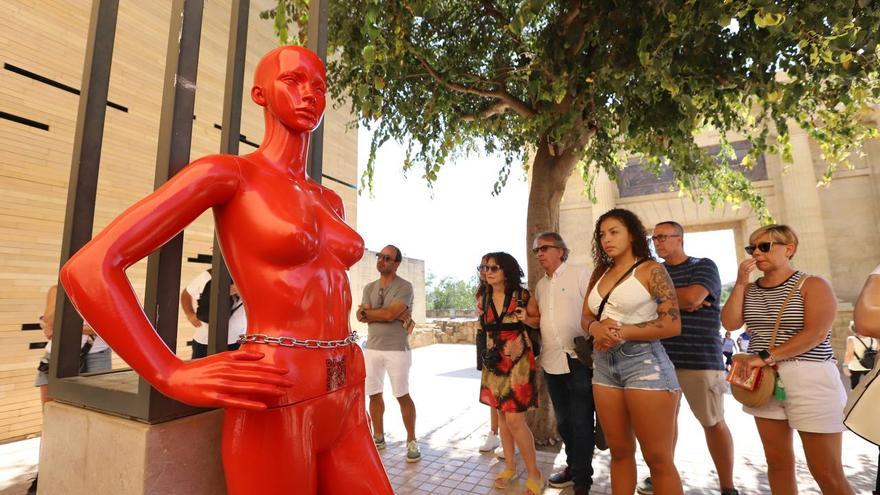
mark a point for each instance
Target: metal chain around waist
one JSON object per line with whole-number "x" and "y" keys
{"x": 261, "y": 338}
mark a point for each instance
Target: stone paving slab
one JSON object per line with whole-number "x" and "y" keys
{"x": 451, "y": 424}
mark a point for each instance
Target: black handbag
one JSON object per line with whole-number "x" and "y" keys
{"x": 583, "y": 346}
{"x": 869, "y": 357}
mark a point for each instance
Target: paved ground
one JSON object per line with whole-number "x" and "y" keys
{"x": 451, "y": 424}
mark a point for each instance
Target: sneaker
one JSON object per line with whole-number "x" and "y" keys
{"x": 492, "y": 442}
{"x": 379, "y": 441}
{"x": 645, "y": 487}
{"x": 412, "y": 452}
{"x": 561, "y": 479}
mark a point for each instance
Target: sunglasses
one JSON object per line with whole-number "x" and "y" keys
{"x": 488, "y": 268}
{"x": 385, "y": 257}
{"x": 543, "y": 249}
{"x": 763, "y": 246}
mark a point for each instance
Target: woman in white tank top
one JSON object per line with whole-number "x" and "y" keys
{"x": 634, "y": 384}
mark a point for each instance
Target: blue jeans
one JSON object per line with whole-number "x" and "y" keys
{"x": 640, "y": 365}
{"x": 572, "y": 397}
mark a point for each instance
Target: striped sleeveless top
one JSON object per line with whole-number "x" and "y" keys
{"x": 760, "y": 309}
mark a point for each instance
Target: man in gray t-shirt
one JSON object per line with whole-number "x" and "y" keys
{"x": 386, "y": 309}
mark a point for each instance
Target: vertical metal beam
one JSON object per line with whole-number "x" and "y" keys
{"x": 317, "y": 42}
{"x": 229, "y": 139}
{"x": 173, "y": 153}
{"x": 83, "y": 185}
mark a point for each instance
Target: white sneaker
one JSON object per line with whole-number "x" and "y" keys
{"x": 492, "y": 442}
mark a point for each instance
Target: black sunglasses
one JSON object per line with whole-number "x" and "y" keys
{"x": 763, "y": 246}
{"x": 488, "y": 268}
{"x": 385, "y": 257}
{"x": 543, "y": 249}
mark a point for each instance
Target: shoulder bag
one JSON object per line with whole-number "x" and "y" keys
{"x": 757, "y": 388}
{"x": 860, "y": 415}
{"x": 869, "y": 355}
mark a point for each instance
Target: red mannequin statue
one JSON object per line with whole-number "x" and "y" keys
{"x": 295, "y": 420}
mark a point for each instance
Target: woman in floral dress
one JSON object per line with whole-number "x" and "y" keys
{"x": 509, "y": 370}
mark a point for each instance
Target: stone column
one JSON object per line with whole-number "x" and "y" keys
{"x": 803, "y": 209}
{"x": 606, "y": 195}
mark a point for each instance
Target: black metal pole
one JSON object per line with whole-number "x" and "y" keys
{"x": 229, "y": 139}
{"x": 175, "y": 139}
{"x": 83, "y": 185}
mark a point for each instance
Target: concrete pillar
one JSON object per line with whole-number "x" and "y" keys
{"x": 803, "y": 209}
{"x": 86, "y": 452}
{"x": 606, "y": 195}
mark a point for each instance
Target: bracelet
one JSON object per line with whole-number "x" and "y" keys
{"x": 589, "y": 332}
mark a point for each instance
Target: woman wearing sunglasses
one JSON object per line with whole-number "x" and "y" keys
{"x": 630, "y": 306}
{"x": 812, "y": 397}
{"x": 492, "y": 441}
{"x": 509, "y": 370}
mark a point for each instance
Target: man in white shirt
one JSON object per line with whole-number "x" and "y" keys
{"x": 558, "y": 302}
{"x": 237, "y": 316}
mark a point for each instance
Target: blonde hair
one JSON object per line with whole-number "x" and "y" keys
{"x": 782, "y": 234}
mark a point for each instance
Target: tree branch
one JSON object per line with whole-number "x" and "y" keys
{"x": 496, "y": 109}
{"x": 508, "y": 99}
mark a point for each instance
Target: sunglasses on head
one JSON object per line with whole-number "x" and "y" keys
{"x": 542, "y": 249}
{"x": 488, "y": 268}
{"x": 763, "y": 246}
{"x": 385, "y": 257}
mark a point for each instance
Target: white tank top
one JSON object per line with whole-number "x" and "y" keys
{"x": 630, "y": 303}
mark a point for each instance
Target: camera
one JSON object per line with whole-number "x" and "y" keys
{"x": 491, "y": 358}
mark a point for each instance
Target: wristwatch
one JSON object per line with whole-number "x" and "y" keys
{"x": 363, "y": 313}
{"x": 767, "y": 357}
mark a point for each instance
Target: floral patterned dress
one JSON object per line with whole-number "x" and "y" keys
{"x": 510, "y": 386}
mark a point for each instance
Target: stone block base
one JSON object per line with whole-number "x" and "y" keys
{"x": 85, "y": 452}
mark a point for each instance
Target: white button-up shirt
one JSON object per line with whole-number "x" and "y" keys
{"x": 560, "y": 299}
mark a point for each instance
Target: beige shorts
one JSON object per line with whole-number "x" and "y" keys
{"x": 704, "y": 392}
{"x": 814, "y": 397}
{"x": 395, "y": 363}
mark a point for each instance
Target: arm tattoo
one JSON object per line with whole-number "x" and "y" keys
{"x": 663, "y": 291}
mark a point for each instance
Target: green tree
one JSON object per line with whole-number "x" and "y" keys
{"x": 579, "y": 84}
{"x": 448, "y": 293}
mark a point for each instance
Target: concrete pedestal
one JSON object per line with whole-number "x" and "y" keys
{"x": 86, "y": 452}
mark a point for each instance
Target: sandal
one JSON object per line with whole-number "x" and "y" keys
{"x": 503, "y": 478}
{"x": 534, "y": 487}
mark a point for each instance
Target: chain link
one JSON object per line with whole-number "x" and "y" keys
{"x": 283, "y": 341}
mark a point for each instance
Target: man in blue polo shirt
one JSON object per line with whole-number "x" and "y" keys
{"x": 696, "y": 353}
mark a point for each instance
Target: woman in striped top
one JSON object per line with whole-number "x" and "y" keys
{"x": 814, "y": 396}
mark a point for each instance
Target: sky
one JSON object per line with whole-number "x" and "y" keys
{"x": 453, "y": 225}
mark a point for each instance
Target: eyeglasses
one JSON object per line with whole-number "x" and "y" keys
{"x": 763, "y": 246}
{"x": 663, "y": 237}
{"x": 385, "y": 257}
{"x": 543, "y": 249}
{"x": 488, "y": 268}
{"x": 381, "y": 296}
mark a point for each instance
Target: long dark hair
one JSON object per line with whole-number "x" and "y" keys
{"x": 481, "y": 284}
{"x": 601, "y": 261}
{"x": 512, "y": 272}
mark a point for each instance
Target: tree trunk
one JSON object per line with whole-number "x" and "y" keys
{"x": 549, "y": 176}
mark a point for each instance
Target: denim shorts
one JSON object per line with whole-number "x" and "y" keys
{"x": 637, "y": 365}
